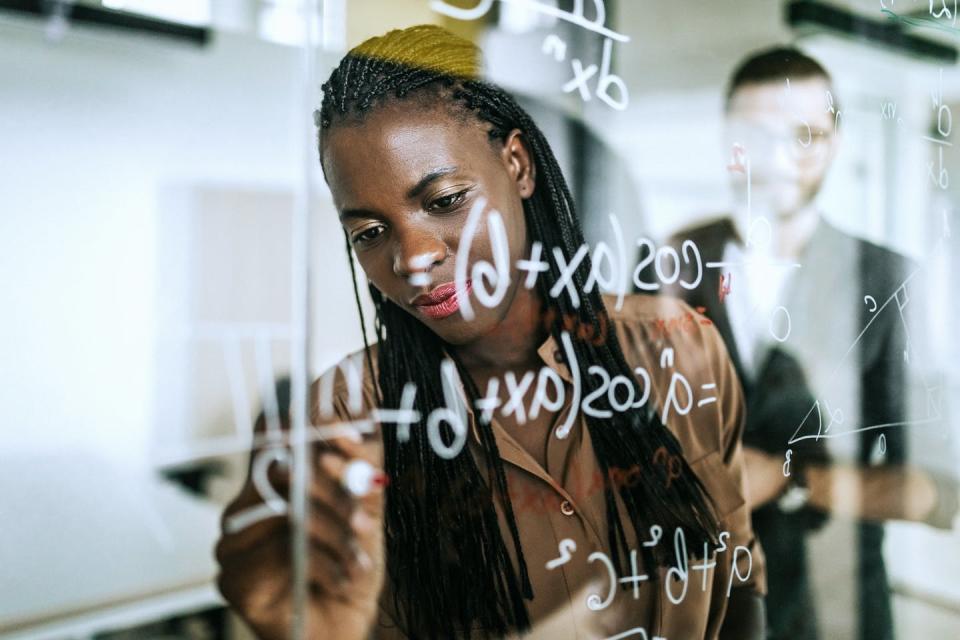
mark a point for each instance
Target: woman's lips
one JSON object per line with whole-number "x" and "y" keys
{"x": 441, "y": 302}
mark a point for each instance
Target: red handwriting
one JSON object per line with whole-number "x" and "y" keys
{"x": 686, "y": 322}
{"x": 723, "y": 290}
{"x": 572, "y": 324}
{"x": 737, "y": 159}
{"x": 672, "y": 464}
{"x": 536, "y": 500}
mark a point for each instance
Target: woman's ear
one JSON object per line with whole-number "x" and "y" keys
{"x": 519, "y": 162}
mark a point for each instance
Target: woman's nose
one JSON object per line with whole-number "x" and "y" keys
{"x": 417, "y": 254}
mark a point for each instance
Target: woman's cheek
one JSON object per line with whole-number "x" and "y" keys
{"x": 380, "y": 273}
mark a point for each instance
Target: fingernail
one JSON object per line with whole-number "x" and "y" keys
{"x": 363, "y": 559}
{"x": 326, "y": 459}
{"x": 361, "y": 522}
{"x": 351, "y": 434}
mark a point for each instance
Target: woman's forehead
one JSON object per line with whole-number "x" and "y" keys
{"x": 393, "y": 147}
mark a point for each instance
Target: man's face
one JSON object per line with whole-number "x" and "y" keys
{"x": 788, "y": 136}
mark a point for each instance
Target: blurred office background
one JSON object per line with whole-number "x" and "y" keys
{"x": 157, "y": 160}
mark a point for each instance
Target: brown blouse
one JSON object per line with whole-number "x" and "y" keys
{"x": 560, "y": 509}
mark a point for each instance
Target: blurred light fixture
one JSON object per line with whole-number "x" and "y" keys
{"x": 193, "y": 12}
{"x": 186, "y": 20}
{"x": 890, "y": 32}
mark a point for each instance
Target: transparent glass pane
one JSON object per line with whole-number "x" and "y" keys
{"x": 357, "y": 363}
{"x": 153, "y": 176}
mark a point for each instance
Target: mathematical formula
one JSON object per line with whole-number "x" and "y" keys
{"x": 608, "y": 86}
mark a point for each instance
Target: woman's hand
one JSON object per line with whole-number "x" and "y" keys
{"x": 345, "y": 551}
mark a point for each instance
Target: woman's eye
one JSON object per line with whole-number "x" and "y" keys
{"x": 367, "y": 235}
{"x": 449, "y": 201}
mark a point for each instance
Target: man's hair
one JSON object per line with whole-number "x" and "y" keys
{"x": 448, "y": 563}
{"x": 774, "y": 64}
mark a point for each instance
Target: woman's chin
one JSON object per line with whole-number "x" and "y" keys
{"x": 457, "y": 330}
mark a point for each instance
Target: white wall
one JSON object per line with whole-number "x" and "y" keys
{"x": 97, "y": 131}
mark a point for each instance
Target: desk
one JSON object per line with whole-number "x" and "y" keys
{"x": 87, "y": 546}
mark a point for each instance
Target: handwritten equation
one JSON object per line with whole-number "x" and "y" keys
{"x": 678, "y": 576}
{"x": 607, "y": 86}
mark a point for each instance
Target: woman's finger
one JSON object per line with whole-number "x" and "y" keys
{"x": 350, "y": 443}
{"x": 334, "y": 533}
{"x": 326, "y": 570}
{"x": 363, "y": 484}
{"x": 255, "y": 573}
{"x": 328, "y": 491}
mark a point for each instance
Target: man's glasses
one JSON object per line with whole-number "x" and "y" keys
{"x": 802, "y": 142}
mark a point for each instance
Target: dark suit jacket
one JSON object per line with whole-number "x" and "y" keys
{"x": 778, "y": 398}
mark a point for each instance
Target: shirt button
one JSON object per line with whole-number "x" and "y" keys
{"x": 558, "y": 356}
{"x": 566, "y": 508}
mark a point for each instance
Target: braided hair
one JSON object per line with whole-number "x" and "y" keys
{"x": 448, "y": 563}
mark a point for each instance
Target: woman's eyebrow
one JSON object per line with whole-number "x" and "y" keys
{"x": 425, "y": 181}
{"x": 414, "y": 191}
{"x": 354, "y": 213}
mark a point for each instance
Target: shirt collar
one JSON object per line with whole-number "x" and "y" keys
{"x": 552, "y": 356}
{"x": 551, "y": 353}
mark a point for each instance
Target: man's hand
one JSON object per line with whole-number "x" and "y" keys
{"x": 765, "y": 479}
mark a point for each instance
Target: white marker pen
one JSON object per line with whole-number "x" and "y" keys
{"x": 360, "y": 477}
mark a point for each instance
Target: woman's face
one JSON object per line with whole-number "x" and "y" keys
{"x": 404, "y": 182}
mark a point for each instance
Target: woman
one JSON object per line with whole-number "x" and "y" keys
{"x": 512, "y": 506}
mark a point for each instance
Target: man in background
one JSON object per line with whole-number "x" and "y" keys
{"x": 786, "y": 290}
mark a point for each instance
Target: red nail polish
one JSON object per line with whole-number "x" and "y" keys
{"x": 380, "y": 479}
